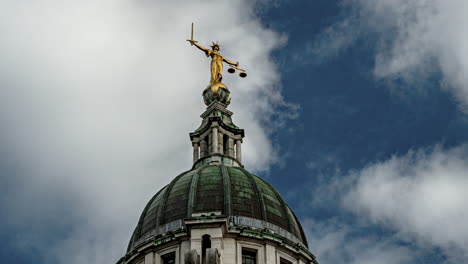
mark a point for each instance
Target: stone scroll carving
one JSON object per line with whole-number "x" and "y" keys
{"x": 191, "y": 257}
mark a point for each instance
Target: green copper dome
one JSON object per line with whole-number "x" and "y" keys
{"x": 217, "y": 190}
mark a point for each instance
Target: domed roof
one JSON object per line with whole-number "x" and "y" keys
{"x": 217, "y": 190}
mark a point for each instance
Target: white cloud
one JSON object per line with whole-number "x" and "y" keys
{"x": 333, "y": 40}
{"x": 400, "y": 210}
{"x": 334, "y": 241}
{"x": 96, "y": 102}
{"x": 415, "y": 39}
{"x": 421, "y": 196}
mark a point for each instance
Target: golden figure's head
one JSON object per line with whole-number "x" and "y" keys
{"x": 215, "y": 46}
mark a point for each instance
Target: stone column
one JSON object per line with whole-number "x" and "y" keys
{"x": 149, "y": 258}
{"x": 231, "y": 147}
{"x": 220, "y": 142}
{"x": 270, "y": 254}
{"x": 239, "y": 151}
{"x": 214, "y": 140}
{"x": 203, "y": 149}
{"x": 196, "y": 154}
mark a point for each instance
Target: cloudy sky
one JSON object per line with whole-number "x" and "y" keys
{"x": 356, "y": 110}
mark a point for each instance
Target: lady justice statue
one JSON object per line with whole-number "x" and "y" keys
{"x": 217, "y": 72}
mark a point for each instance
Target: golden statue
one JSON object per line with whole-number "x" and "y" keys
{"x": 216, "y": 61}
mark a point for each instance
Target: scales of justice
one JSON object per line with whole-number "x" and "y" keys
{"x": 216, "y": 90}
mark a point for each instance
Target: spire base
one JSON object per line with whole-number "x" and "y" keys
{"x": 217, "y": 159}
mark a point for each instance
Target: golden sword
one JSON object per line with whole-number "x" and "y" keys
{"x": 191, "y": 36}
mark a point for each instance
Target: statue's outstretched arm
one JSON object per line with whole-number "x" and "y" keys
{"x": 199, "y": 47}
{"x": 230, "y": 62}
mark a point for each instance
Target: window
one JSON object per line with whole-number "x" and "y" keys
{"x": 283, "y": 261}
{"x": 249, "y": 256}
{"x": 206, "y": 243}
{"x": 168, "y": 258}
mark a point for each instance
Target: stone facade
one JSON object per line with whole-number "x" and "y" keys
{"x": 227, "y": 244}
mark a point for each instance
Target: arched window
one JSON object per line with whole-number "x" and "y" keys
{"x": 206, "y": 243}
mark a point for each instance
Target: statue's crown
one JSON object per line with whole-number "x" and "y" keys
{"x": 215, "y": 44}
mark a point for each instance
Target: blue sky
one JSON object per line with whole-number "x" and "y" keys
{"x": 356, "y": 111}
{"x": 359, "y": 127}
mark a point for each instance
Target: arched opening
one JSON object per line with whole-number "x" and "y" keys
{"x": 225, "y": 145}
{"x": 206, "y": 243}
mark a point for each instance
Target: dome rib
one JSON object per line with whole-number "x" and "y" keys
{"x": 193, "y": 191}
{"x": 301, "y": 230}
{"x": 160, "y": 218}
{"x": 261, "y": 201}
{"x": 283, "y": 204}
{"x": 227, "y": 190}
